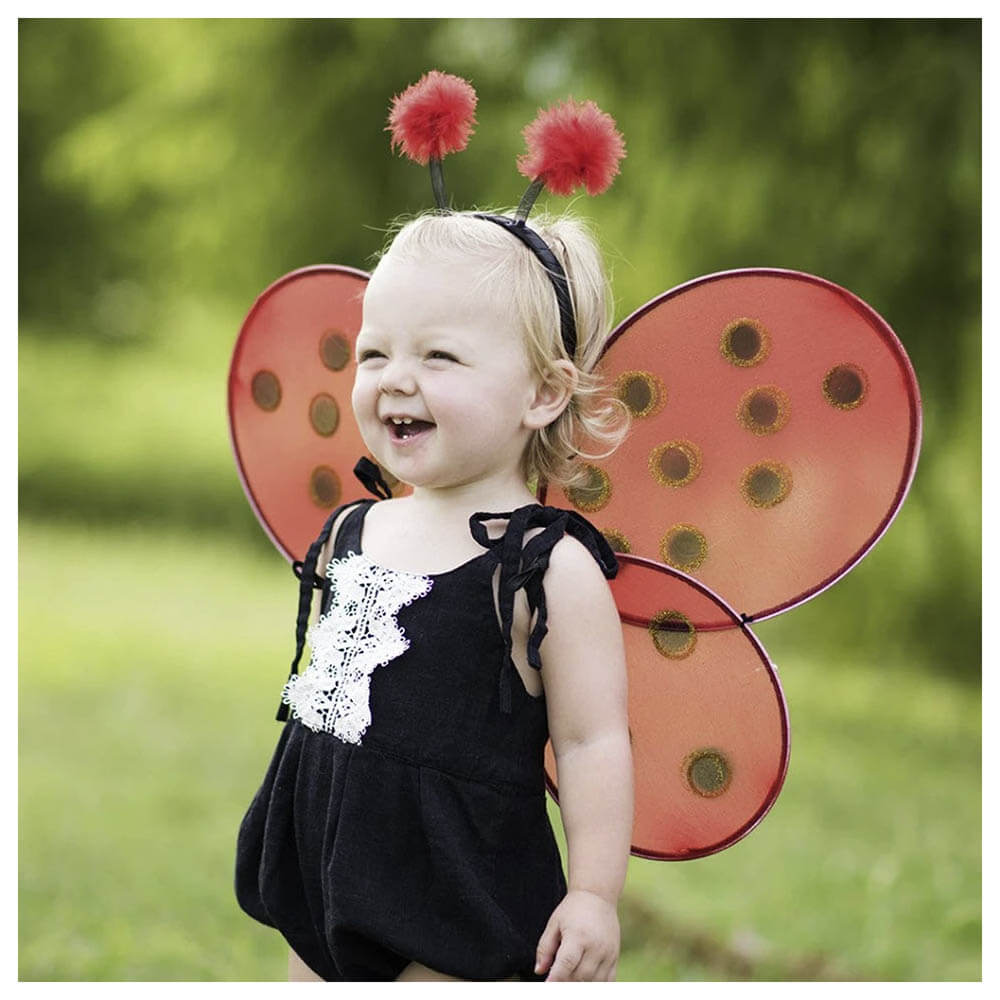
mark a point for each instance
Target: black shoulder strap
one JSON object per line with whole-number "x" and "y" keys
{"x": 368, "y": 473}
{"x": 524, "y": 565}
{"x": 305, "y": 570}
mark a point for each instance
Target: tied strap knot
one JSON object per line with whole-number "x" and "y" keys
{"x": 523, "y": 566}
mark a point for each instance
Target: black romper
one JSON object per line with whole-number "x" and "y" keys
{"x": 413, "y": 827}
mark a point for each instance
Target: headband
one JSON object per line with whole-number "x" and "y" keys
{"x": 568, "y": 146}
{"x": 541, "y": 249}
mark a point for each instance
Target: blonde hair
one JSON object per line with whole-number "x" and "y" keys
{"x": 593, "y": 418}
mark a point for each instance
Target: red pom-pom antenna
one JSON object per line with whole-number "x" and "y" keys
{"x": 570, "y": 145}
{"x": 433, "y": 117}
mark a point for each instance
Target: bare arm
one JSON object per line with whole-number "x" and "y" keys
{"x": 586, "y": 694}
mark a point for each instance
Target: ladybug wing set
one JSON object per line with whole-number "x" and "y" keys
{"x": 775, "y": 432}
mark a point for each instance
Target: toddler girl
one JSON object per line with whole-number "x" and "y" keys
{"x": 401, "y": 830}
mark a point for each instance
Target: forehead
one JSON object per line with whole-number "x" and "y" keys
{"x": 433, "y": 290}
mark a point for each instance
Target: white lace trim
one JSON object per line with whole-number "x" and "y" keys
{"x": 357, "y": 634}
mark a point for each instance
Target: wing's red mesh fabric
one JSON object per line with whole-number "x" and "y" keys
{"x": 775, "y": 432}
{"x": 706, "y": 713}
{"x": 292, "y": 429}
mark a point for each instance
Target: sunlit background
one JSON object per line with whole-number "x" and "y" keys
{"x": 170, "y": 170}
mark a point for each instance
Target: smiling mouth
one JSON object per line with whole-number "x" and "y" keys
{"x": 407, "y": 428}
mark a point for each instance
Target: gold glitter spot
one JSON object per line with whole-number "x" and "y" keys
{"x": 765, "y": 484}
{"x": 324, "y": 414}
{"x": 324, "y": 487}
{"x": 764, "y": 410}
{"x": 673, "y": 634}
{"x": 617, "y": 541}
{"x": 266, "y": 390}
{"x": 683, "y": 547}
{"x": 642, "y": 392}
{"x": 845, "y": 386}
{"x": 593, "y": 493}
{"x": 708, "y": 772}
{"x": 675, "y": 463}
{"x": 745, "y": 342}
{"x": 334, "y": 350}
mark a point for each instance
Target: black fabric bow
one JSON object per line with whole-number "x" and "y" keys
{"x": 523, "y": 565}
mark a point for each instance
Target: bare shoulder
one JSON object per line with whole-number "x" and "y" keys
{"x": 390, "y": 511}
{"x": 574, "y": 580}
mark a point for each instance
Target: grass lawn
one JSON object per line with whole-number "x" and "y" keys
{"x": 150, "y": 665}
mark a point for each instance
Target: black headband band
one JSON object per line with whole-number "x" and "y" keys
{"x": 538, "y": 246}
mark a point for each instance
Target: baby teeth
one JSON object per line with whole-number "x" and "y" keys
{"x": 402, "y": 420}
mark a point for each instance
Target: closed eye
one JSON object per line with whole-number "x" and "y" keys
{"x": 442, "y": 356}
{"x": 368, "y": 355}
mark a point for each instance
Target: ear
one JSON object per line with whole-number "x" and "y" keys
{"x": 552, "y": 396}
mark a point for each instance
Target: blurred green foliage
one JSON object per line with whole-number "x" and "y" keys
{"x": 170, "y": 170}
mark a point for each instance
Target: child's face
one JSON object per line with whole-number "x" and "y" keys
{"x": 435, "y": 351}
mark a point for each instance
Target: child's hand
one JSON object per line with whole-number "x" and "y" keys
{"x": 584, "y": 936}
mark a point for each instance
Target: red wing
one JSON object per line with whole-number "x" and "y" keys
{"x": 707, "y": 717}
{"x": 775, "y": 433}
{"x": 290, "y": 420}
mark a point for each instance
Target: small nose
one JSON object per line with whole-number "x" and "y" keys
{"x": 397, "y": 379}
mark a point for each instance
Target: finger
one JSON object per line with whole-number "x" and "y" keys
{"x": 602, "y": 970}
{"x": 606, "y": 971}
{"x": 613, "y": 974}
{"x": 547, "y": 945}
{"x": 586, "y": 969}
{"x": 565, "y": 963}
